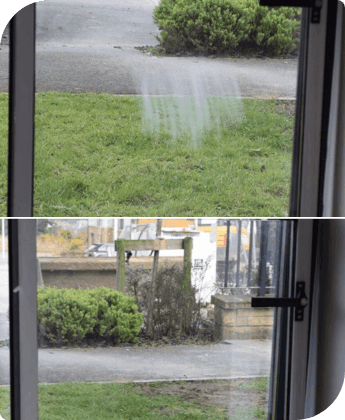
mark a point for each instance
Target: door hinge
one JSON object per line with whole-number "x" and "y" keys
{"x": 299, "y": 302}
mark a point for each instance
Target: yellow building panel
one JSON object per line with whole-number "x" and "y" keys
{"x": 170, "y": 223}
{"x": 206, "y": 229}
{"x": 221, "y": 236}
{"x": 221, "y": 230}
{"x": 178, "y": 223}
{"x": 146, "y": 221}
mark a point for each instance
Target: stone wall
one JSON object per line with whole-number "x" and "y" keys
{"x": 235, "y": 319}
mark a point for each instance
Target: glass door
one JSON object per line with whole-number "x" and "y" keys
{"x": 260, "y": 353}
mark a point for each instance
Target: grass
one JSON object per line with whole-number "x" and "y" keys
{"x": 75, "y": 400}
{"x": 95, "y": 157}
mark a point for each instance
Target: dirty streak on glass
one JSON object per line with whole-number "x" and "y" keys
{"x": 129, "y": 131}
{"x": 217, "y": 355}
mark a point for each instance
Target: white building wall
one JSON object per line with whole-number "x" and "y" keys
{"x": 204, "y": 257}
{"x": 106, "y": 223}
{"x": 204, "y": 261}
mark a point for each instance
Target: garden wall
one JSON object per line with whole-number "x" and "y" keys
{"x": 72, "y": 273}
{"x": 235, "y": 319}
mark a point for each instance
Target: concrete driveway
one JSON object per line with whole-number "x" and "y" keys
{"x": 89, "y": 46}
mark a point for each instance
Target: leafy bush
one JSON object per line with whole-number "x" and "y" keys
{"x": 175, "y": 312}
{"x": 207, "y": 25}
{"x": 75, "y": 243}
{"x": 51, "y": 230}
{"x": 117, "y": 313}
{"x": 219, "y": 26}
{"x": 67, "y": 315}
{"x": 66, "y": 234}
{"x": 275, "y": 28}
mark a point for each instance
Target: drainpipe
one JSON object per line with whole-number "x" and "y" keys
{"x": 141, "y": 232}
{"x": 251, "y": 245}
{"x": 115, "y": 228}
{"x": 159, "y": 228}
{"x": 195, "y": 224}
{"x": 228, "y": 223}
{"x": 239, "y": 237}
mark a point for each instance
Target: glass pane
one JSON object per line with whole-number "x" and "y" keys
{"x": 4, "y": 324}
{"x": 122, "y": 128}
{"x": 201, "y": 351}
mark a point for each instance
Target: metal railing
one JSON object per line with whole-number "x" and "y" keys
{"x": 241, "y": 273}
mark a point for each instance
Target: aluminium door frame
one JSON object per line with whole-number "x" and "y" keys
{"x": 313, "y": 107}
{"x": 306, "y": 190}
{"x": 320, "y": 45}
{"x": 22, "y": 233}
{"x": 21, "y": 113}
{"x": 23, "y": 319}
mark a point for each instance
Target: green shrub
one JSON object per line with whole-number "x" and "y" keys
{"x": 67, "y": 315}
{"x": 66, "y": 234}
{"x": 76, "y": 243}
{"x": 275, "y": 29}
{"x": 118, "y": 315}
{"x": 64, "y": 314}
{"x": 219, "y": 26}
{"x": 205, "y": 25}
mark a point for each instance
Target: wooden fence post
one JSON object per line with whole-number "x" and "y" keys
{"x": 187, "y": 271}
{"x": 39, "y": 274}
{"x": 187, "y": 262}
{"x": 120, "y": 279}
{"x": 153, "y": 284}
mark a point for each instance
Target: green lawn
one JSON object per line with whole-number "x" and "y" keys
{"x": 96, "y": 156}
{"x": 94, "y": 401}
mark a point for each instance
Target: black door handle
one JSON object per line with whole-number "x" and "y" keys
{"x": 299, "y": 302}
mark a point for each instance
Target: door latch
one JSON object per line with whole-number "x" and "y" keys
{"x": 299, "y": 302}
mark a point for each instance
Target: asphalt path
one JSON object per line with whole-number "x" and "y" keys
{"x": 89, "y": 46}
{"x": 236, "y": 358}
